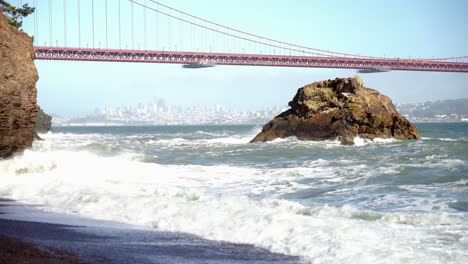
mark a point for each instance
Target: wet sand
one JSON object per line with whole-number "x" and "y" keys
{"x": 62, "y": 238}
{"x": 13, "y": 250}
{"x": 18, "y": 252}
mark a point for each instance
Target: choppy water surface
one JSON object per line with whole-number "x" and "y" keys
{"x": 384, "y": 201}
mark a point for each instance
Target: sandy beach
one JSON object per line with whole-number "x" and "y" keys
{"x": 15, "y": 251}
{"x": 29, "y": 235}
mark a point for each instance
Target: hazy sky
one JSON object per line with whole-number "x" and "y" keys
{"x": 381, "y": 28}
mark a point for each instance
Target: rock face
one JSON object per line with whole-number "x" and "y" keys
{"x": 43, "y": 122}
{"x": 339, "y": 109}
{"x": 18, "y": 76}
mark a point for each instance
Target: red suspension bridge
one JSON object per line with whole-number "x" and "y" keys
{"x": 152, "y": 32}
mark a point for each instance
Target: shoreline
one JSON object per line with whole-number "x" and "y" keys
{"x": 98, "y": 125}
{"x": 16, "y": 250}
{"x": 88, "y": 241}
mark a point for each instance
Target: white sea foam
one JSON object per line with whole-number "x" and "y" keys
{"x": 215, "y": 139}
{"x": 448, "y": 139}
{"x": 358, "y": 141}
{"x": 218, "y": 202}
{"x": 445, "y": 139}
{"x": 433, "y": 162}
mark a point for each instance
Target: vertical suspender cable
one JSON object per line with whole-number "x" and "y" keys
{"x": 64, "y": 23}
{"x": 169, "y": 35}
{"x": 92, "y": 19}
{"x": 120, "y": 32}
{"x": 157, "y": 28}
{"x": 79, "y": 25}
{"x": 191, "y": 36}
{"x": 181, "y": 34}
{"x": 133, "y": 33}
{"x": 144, "y": 27}
{"x": 156, "y": 31}
{"x": 107, "y": 42}
{"x": 51, "y": 38}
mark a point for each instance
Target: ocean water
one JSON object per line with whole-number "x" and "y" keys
{"x": 382, "y": 201}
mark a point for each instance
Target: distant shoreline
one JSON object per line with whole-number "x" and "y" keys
{"x": 149, "y": 125}
{"x": 213, "y": 125}
{"x": 439, "y": 121}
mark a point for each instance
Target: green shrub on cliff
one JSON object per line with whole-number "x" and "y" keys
{"x": 43, "y": 122}
{"x": 14, "y": 14}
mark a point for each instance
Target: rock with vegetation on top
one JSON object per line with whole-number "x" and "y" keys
{"x": 339, "y": 109}
{"x": 18, "y": 76}
{"x": 43, "y": 122}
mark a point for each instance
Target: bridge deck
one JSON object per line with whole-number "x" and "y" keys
{"x": 179, "y": 57}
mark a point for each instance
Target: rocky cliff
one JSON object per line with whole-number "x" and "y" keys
{"x": 339, "y": 109}
{"x": 18, "y": 76}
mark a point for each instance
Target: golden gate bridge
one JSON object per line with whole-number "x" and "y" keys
{"x": 152, "y": 32}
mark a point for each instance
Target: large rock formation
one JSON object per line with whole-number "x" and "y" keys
{"x": 339, "y": 109}
{"x": 18, "y": 76}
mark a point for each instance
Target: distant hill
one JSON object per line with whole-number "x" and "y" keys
{"x": 442, "y": 109}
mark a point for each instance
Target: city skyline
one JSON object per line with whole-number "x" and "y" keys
{"x": 159, "y": 112}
